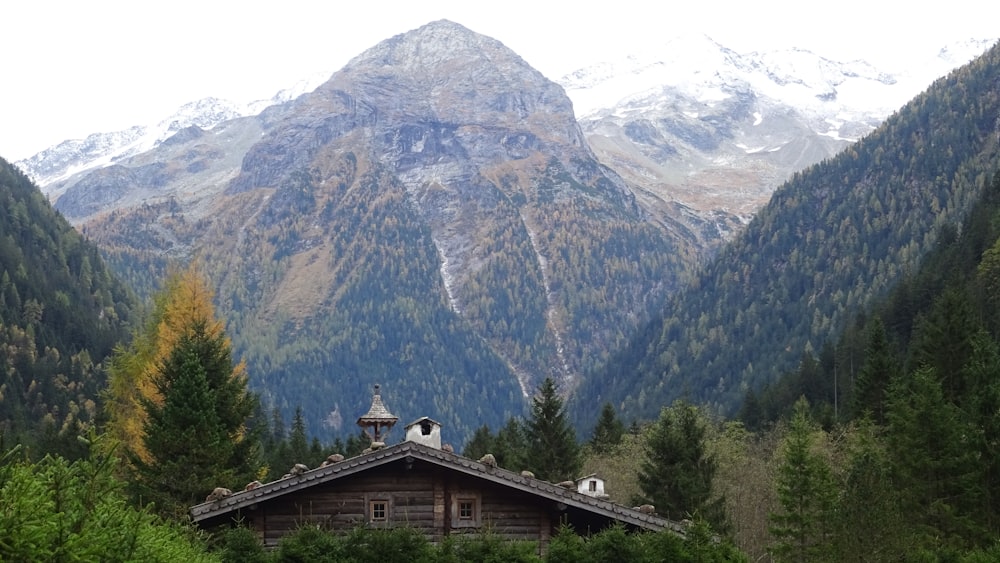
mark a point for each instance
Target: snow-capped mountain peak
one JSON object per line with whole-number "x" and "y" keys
{"x": 101, "y": 149}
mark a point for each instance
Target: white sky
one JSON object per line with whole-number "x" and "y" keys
{"x": 74, "y": 67}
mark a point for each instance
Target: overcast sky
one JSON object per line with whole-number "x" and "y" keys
{"x": 74, "y": 67}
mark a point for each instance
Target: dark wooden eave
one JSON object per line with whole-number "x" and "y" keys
{"x": 411, "y": 451}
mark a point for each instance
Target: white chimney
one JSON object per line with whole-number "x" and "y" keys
{"x": 424, "y": 431}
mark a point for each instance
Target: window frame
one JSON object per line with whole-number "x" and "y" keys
{"x": 372, "y": 502}
{"x": 475, "y": 504}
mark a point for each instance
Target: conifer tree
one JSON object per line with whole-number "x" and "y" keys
{"x": 982, "y": 374}
{"x": 480, "y": 444}
{"x": 677, "y": 472}
{"x": 511, "y": 445}
{"x": 184, "y": 301}
{"x": 869, "y": 525}
{"x": 179, "y": 376}
{"x": 195, "y": 436}
{"x": 944, "y": 340}
{"x": 608, "y": 432}
{"x": 298, "y": 442}
{"x": 553, "y": 453}
{"x": 878, "y": 370}
{"x": 935, "y": 464}
{"x": 806, "y": 493}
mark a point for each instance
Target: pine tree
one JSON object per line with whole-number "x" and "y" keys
{"x": 608, "y": 432}
{"x": 932, "y": 446}
{"x": 194, "y": 419}
{"x": 869, "y": 525}
{"x": 298, "y": 442}
{"x": 184, "y": 301}
{"x": 677, "y": 472}
{"x": 878, "y": 370}
{"x": 480, "y": 444}
{"x": 806, "y": 493}
{"x": 553, "y": 453}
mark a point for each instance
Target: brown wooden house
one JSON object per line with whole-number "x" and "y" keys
{"x": 423, "y": 487}
{"x": 420, "y": 484}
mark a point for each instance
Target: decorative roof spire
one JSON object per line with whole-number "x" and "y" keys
{"x": 378, "y": 419}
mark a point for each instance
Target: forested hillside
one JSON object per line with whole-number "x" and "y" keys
{"x": 61, "y": 313}
{"x": 831, "y": 240}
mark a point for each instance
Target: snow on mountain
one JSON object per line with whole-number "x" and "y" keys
{"x": 101, "y": 149}
{"x": 697, "y": 123}
{"x": 702, "y": 69}
{"x": 843, "y": 99}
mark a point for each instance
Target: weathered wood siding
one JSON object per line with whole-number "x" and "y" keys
{"x": 420, "y": 496}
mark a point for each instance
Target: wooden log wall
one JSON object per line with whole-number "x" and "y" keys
{"x": 420, "y": 496}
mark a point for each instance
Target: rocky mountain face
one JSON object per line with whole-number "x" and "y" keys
{"x": 431, "y": 218}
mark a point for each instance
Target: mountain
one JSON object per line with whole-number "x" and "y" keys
{"x": 830, "y": 240}
{"x": 702, "y": 134}
{"x": 430, "y": 218}
{"x": 696, "y": 123}
{"x": 103, "y": 149}
{"x": 61, "y": 314}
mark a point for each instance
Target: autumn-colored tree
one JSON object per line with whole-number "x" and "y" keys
{"x": 185, "y": 301}
{"x": 196, "y": 435}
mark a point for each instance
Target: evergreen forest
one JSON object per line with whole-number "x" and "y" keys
{"x": 62, "y": 312}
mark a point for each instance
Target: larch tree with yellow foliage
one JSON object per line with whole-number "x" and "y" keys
{"x": 179, "y": 405}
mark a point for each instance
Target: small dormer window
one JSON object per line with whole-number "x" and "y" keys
{"x": 593, "y": 486}
{"x": 425, "y": 428}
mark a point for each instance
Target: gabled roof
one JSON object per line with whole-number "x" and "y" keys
{"x": 445, "y": 460}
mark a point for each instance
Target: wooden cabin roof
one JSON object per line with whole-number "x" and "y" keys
{"x": 405, "y": 452}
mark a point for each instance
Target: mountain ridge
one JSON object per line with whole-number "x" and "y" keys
{"x": 377, "y": 230}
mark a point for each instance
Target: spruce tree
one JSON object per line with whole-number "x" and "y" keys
{"x": 982, "y": 375}
{"x": 553, "y": 453}
{"x": 878, "y": 370}
{"x": 511, "y": 445}
{"x": 196, "y": 436}
{"x": 869, "y": 525}
{"x": 608, "y": 432}
{"x": 806, "y": 493}
{"x": 480, "y": 444}
{"x": 298, "y": 442}
{"x": 677, "y": 472}
{"x": 935, "y": 465}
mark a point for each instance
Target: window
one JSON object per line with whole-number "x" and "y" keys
{"x": 466, "y": 509}
{"x": 593, "y": 486}
{"x": 379, "y": 510}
